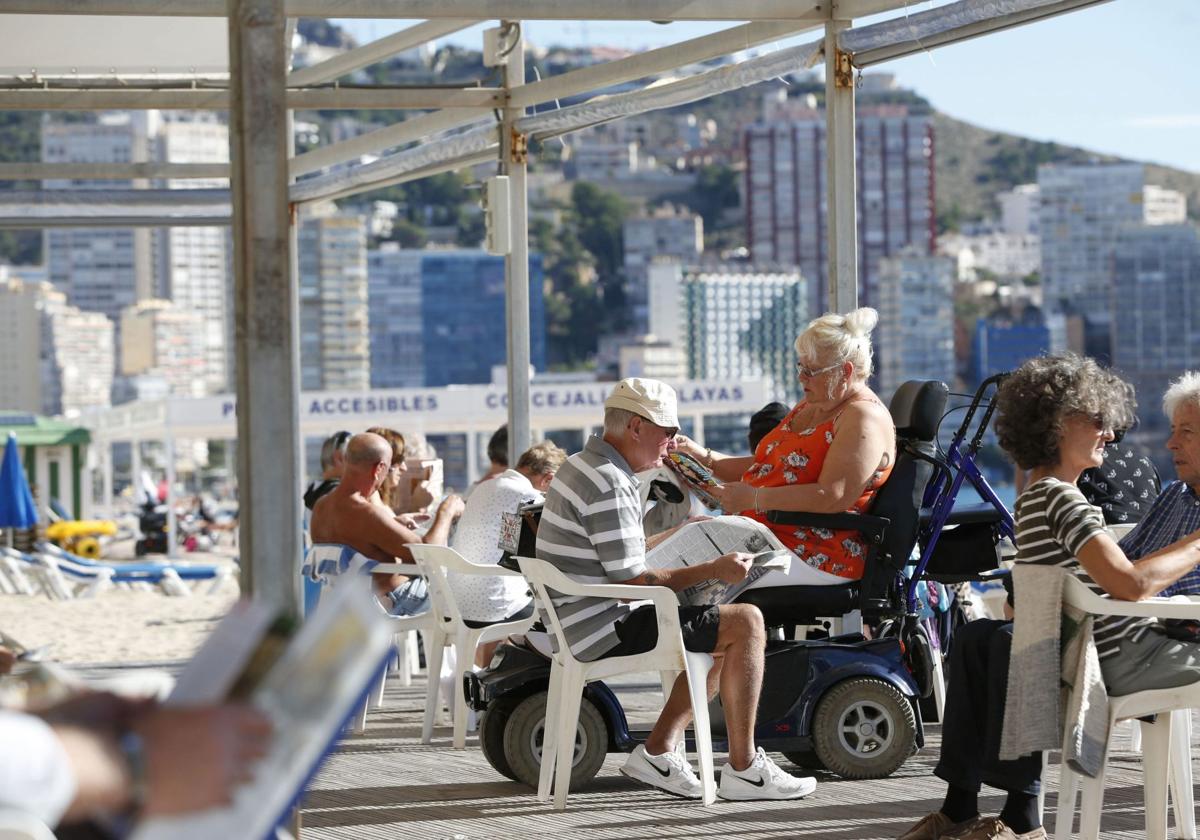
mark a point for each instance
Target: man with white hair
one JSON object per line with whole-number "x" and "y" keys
{"x": 591, "y": 530}
{"x": 1176, "y": 511}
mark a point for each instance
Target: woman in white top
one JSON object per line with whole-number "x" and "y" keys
{"x": 485, "y": 599}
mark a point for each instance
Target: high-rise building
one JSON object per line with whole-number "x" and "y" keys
{"x": 665, "y": 233}
{"x": 733, "y": 321}
{"x": 194, "y": 262}
{"x": 1019, "y": 209}
{"x": 785, "y": 192}
{"x": 1083, "y": 208}
{"x": 108, "y": 269}
{"x": 1156, "y": 279}
{"x": 334, "y": 342}
{"x": 915, "y": 336}
{"x": 66, "y": 353}
{"x": 100, "y": 269}
{"x": 165, "y": 341}
{"x": 438, "y": 317}
{"x": 1005, "y": 339}
{"x": 1161, "y": 206}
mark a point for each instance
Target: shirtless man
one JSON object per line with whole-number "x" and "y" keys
{"x": 346, "y": 515}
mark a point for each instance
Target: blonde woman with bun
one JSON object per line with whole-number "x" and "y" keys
{"x": 830, "y": 454}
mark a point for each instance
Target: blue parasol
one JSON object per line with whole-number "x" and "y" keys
{"x": 16, "y": 502}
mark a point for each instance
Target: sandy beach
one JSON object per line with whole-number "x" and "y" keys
{"x": 119, "y": 626}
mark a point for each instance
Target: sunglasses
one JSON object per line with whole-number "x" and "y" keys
{"x": 809, "y": 373}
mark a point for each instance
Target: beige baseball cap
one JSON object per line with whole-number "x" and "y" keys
{"x": 647, "y": 398}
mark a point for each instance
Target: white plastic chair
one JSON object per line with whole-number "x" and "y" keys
{"x": 450, "y": 629}
{"x": 329, "y": 561}
{"x": 1166, "y": 748}
{"x": 17, "y": 825}
{"x": 569, "y": 675}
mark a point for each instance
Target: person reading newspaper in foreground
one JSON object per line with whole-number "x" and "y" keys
{"x": 591, "y": 529}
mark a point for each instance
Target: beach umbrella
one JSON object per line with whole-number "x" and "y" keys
{"x": 16, "y": 502}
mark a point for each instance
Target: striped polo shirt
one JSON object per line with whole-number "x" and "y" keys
{"x": 1054, "y": 521}
{"x": 591, "y": 530}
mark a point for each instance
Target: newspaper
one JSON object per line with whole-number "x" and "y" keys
{"x": 695, "y": 477}
{"x": 701, "y": 542}
{"x": 307, "y": 679}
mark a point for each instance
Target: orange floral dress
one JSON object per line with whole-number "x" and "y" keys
{"x": 784, "y": 458}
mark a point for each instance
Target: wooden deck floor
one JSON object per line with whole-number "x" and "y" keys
{"x": 386, "y": 784}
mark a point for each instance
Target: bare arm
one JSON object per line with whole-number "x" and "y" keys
{"x": 730, "y": 467}
{"x": 730, "y": 568}
{"x": 449, "y": 510}
{"x": 383, "y": 529}
{"x": 864, "y": 441}
{"x": 724, "y": 467}
{"x": 1104, "y": 561}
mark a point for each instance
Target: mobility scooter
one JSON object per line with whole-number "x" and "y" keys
{"x": 846, "y": 703}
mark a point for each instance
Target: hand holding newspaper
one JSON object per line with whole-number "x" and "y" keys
{"x": 701, "y": 542}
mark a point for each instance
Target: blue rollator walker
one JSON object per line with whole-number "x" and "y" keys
{"x": 847, "y": 703}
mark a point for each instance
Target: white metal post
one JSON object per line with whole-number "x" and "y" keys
{"x": 135, "y": 468}
{"x": 106, "y": 475}
{"x": 840, "y": 181}
{"x": 472, "y": 440}
{"x": 516, "y": 263}
{"x": 172, "y": 520}
{"x": 264, "y": 306}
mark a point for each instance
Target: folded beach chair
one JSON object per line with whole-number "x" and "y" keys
{"x": 65, "y": 579}
{"x": 188, "y": 572}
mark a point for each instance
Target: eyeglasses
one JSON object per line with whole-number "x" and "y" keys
{"x": 809, "y": 373}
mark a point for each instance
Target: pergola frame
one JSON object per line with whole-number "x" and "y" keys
{"x": 462, "y": 126}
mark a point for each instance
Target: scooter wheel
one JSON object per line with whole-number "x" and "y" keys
{"x": 524, "y": 734}
{"x": 864, "y": 728}
{"x": 491, "y": 735}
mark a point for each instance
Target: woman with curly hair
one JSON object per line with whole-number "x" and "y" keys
{"x": 1055, "y": 416}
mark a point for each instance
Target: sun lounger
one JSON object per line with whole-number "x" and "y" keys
{"x": 188, "y": 572}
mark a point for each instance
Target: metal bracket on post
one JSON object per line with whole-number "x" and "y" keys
{"x": 518, "y": 147}
{"x": 843, "y": 74}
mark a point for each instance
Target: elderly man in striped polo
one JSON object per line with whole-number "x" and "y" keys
{"x": 591, "y": 529}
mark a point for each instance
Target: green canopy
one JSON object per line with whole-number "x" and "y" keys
{"x": 32, "y": 430}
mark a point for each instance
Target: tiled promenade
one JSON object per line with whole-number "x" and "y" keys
{"x": 385, "y": 784}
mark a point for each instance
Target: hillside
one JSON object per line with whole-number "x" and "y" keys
{"x": 973, "y": 164}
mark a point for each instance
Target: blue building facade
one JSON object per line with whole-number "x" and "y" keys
{"x": 1002, "y": 343}
{"x": 437, "y": 317}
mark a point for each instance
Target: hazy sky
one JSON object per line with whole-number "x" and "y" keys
{"x": 1122, "y": 77}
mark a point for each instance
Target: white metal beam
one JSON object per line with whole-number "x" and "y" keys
{"x": 642, "y": 10}
{"x": 368, "y": 54}
{"x": 34, "y": 171}
{"x": 381, "y": 139}
{"x": 655, "y": 61}
{"x": 378, "y": 98}
{"x": 488, "y": 155}
{"x": 265, "y": 308}
{"x": 841, "y": 194}
{"x": 691, "y": 89}
{"x": 513, "y": 163}
{"x": 113, "y": 208}
{"x": 949, "y": 24}
{"x": 374, "y": 175}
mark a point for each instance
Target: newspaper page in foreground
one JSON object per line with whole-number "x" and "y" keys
{"x": 307, "y": 684}
{"x": 701, "y": 542}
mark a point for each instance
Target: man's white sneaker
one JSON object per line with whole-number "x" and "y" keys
{"x": 669, "y": 771}
{"x": 763, "y": 780}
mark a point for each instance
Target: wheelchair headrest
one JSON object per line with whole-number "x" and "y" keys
{"x": 917, "y": 407}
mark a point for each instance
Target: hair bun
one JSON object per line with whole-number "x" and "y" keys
{"x": 861, "y": 321}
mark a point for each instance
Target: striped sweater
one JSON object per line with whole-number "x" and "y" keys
{"x": 1054, "y": 522}
{"x": 591, "y": 530}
